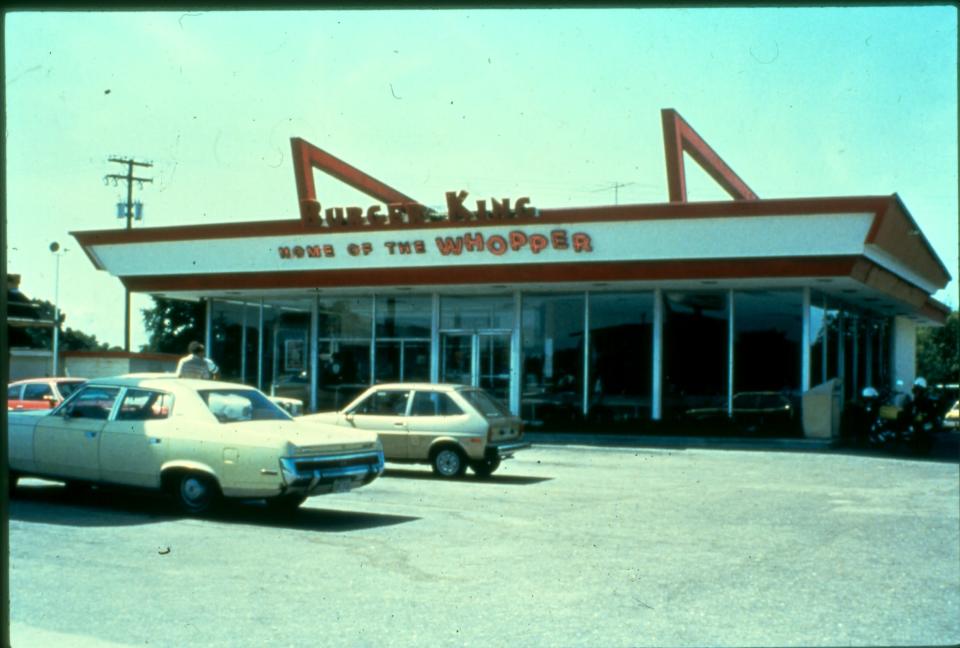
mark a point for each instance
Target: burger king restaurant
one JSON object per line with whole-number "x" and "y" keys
{"x": 621, "y": 317}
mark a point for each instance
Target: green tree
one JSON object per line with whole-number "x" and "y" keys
{"x": 938, "y": 351}
{"x": 173, "y": 324}
{"x": 70, "y": 339}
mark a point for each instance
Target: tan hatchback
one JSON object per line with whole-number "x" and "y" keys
{"x": 450, "y": 427}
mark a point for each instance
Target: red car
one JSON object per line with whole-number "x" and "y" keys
{"x": 40, "y": 393}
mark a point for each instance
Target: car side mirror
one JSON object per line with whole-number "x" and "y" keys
{"x": 349, "y": 417}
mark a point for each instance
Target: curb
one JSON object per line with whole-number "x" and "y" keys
{"x": 716, "y": 443}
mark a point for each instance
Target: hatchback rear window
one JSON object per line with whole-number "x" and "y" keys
{"x": 484, "y": 403}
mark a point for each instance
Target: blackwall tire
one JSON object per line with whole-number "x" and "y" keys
{"x": 196, "y": 493}
{"x": 285, "y": 504}
{"x": 449, "y": 462}
{"x": 12, "y": 479}
{"x": 485, "y": 467}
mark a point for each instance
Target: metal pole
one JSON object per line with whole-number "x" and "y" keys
{"x": 657, "y": 386}
{"x": 731, "y": 342}
{"x": 56, "y": 315}
{"x": 805, "y": 343}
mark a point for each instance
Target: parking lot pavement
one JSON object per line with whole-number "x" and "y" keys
{"x": 566, "y": 545}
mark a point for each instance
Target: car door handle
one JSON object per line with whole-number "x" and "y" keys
{"x": 91, "y": 435}
{"x": 154, "y": 441}
{"x": 398, "y": 423}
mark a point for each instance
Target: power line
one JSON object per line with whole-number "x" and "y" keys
{"x": 129, "y": 178}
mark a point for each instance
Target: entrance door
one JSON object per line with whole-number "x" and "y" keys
{"x": 480, "y": 359}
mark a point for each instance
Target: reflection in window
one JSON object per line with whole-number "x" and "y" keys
{"x": 621, "y": 345}
{"x": 433, "y": 404}
{"x": 695, "y": 356}
{"x": 552, "y": 388}
{"x": 91, "y": 403}
{"x": 476, "y": 312}
{"x": 403, "y": 339}
{"x": 143, "y": 405}
{"x": 768, "y": 328}
{"x": 345, "y": 325}
{"x": 383, "y": 403}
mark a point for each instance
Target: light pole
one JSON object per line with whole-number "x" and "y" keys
{"x": 57, "y": 253}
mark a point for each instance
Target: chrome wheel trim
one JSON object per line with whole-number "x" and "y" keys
{"x": 194, "y": 491}
{"x": 448, "y": 462}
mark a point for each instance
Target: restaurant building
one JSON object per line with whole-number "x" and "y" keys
{"x": 634, "y": 316}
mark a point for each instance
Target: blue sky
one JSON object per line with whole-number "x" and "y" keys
{"x": 556, "y": 104}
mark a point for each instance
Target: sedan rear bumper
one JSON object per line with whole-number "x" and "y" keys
{"x": 330, "y": 473}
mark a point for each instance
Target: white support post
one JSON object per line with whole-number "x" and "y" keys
{"x": 516, "y": 354}
{"x": 730, "y": 345}
{"x": 805, "y": 344}
{"x": 314, "y": 348}
{"x": 657, "y": 369}
{"x": 435, "y": 339}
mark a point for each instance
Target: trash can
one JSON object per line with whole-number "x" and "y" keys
{"x": 821, "y": 410}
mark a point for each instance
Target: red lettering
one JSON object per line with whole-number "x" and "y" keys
{"x": 314, "y": 251}
{"x": 298, "y": 251}
{"x": 374, "y": 216}
{"x": 448, "y": 246}
{"x": 397, "y": 215}
{"x": 517, "y": 240}
{"x": 537, "y": 243}
{"x": 355, "y": 216}
{"x": 328, "y": 250}
{"x": 404, "y": 248}
{"x": 335, "y": 216}
{"x": 501, "y": 210}
{"x": 497, "y": 244}
{"x": 353, "y": 249}
{"x": 559, "y": 239}
{"x": 481, "y": 211}
{"x": 419, "y": 247}
{"x": 390, "y": 245}
{"x": 284, "y": 252}
{"x": 455, "y": 207}
{"x": 367, "y": 248}
{"x": 310, "y": 212}
{"x": 473, "y": 243}
{"x": 524, "y": 210}
{"x": 581, "y": 242}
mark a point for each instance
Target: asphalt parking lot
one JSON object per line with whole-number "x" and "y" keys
{"x": 565, "y": 546}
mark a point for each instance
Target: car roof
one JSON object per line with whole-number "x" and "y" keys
{"x": 165, "y": 381}
{"x": 56, "y": 379}
{"x": 422, "y": 386}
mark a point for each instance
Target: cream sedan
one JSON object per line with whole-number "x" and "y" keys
{"x": 450, "y": 427}
{"x": 199, "y": 440}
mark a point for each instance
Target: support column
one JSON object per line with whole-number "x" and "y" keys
{"x": 243, "y": 344}
{"x": 373, "y": 339}
{"x": 586, "y": 353}
{"x": 314, "y": 348}
{"x": 208, "y": 325}
{"x": 435, "y": 339}
{"x": 657, "y": 369}
{"x": 805, "y": 344}
{"x": 730, "y": 346}
{"x": 260, "y": 347}
{"x": 516, "y": 354}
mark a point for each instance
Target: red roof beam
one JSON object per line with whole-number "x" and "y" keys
{"x": 679, "y": 136}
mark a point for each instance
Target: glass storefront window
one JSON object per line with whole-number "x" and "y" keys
{"x": 621, "y": 355}
{"x": 476, "y": 312}
{"x": 403, "y": 338}
{"x": 695, "y": 355}
{"x": 552, "y": 387}
{"x": 345, "y": 325}
{"x": 227, "y": 341}
{"x": 768, "y": 329}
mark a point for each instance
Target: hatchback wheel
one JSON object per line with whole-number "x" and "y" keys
{"x": 485, "y": 467}
{"x": 449, "y": 462}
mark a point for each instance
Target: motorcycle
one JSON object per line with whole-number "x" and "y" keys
{"x": 901, "y": 422}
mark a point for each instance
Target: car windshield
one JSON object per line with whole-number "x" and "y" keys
{"x": 484, "y": 403}
{"x": 67, "y": 388}
{"x": 236, "y": 405}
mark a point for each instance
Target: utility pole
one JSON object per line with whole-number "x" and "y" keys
{"x": 616, "y": 190}
{"x": 130, "y": 179}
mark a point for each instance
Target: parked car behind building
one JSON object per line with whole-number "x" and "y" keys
{"x": 40, "y": 393}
